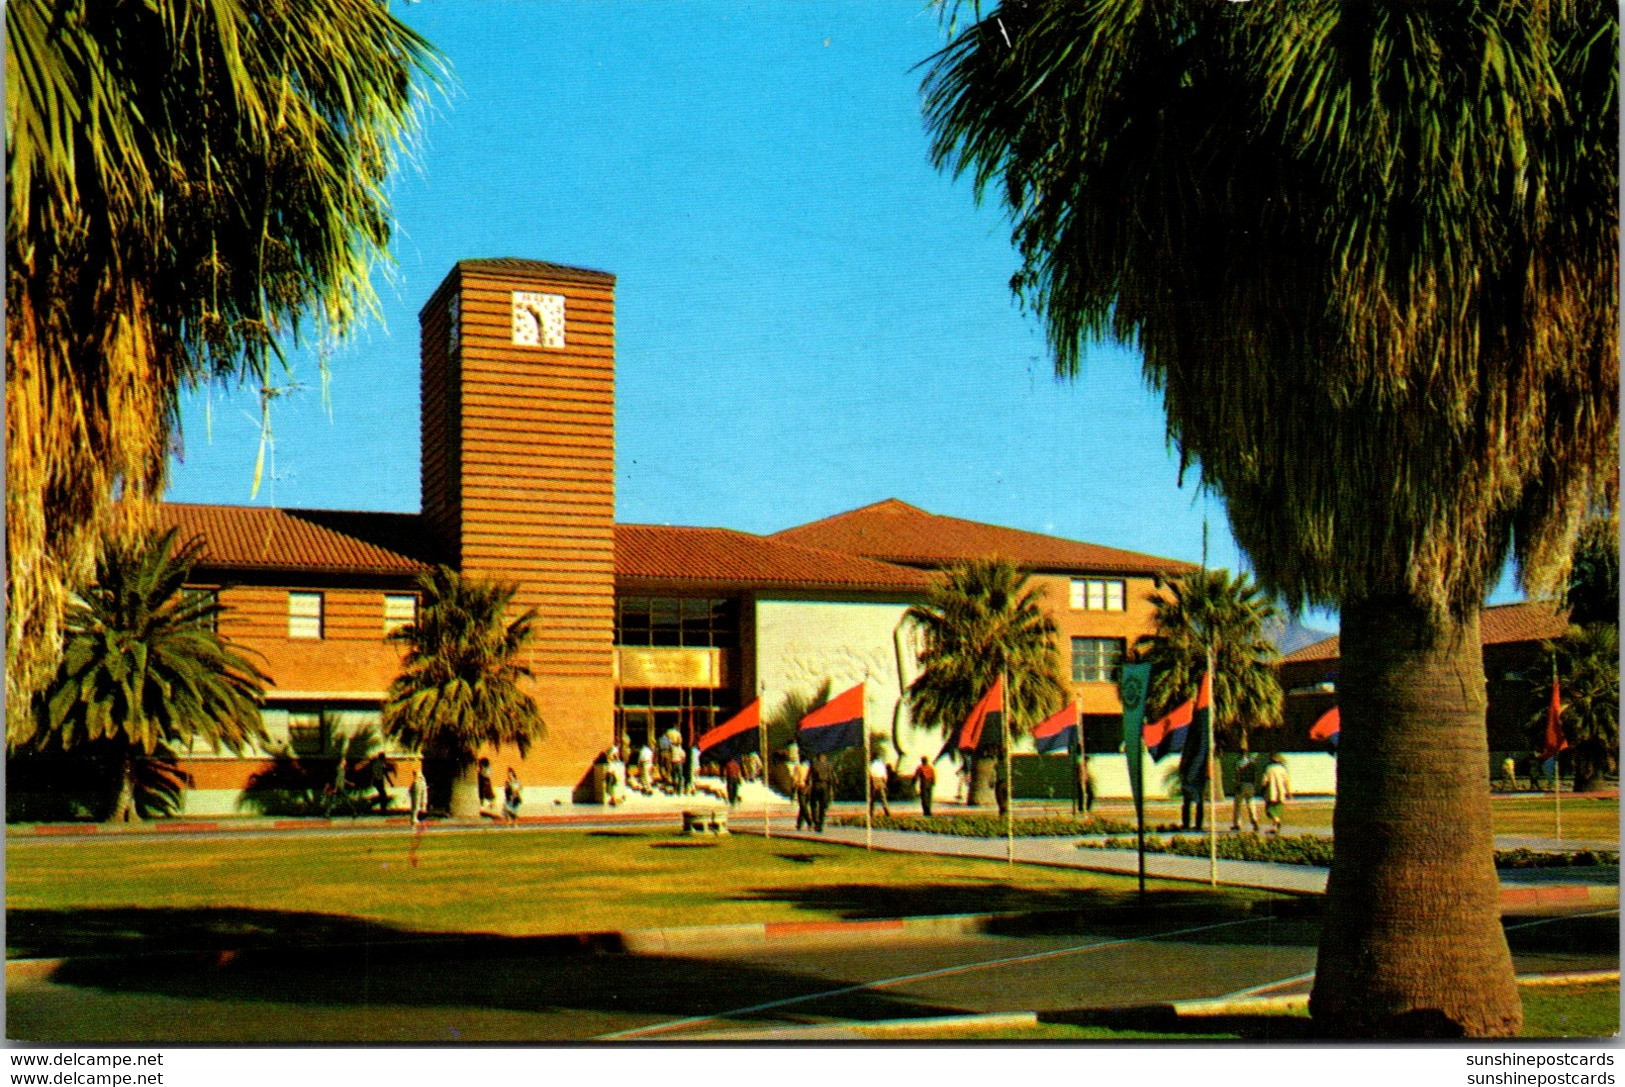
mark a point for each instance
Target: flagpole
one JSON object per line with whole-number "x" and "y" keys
{"x": 868, "y": 791}
{"x": 1083, "y": 758}
{"x": 767, "y": 775}
{"x": 1212, "y": 782}
{"x": 1009, "y": 785}
{"x": 1557, "y": 755}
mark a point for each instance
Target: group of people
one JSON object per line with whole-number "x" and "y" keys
{"x": 814, "y": 786}
{"x": 513, "y": 793}
{"x": 1271, "y": 782}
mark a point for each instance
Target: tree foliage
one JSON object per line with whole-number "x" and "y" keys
{"x": 144, "y": 673}
{"x": 189, "y": 183}
{"x": 1369, "y": 252}
{"x": 1214, "y": 609}
{"x": 1586, "y": 662}
{"x": 461, "y": 685}
{"x": 1593, "y": 587}
{"x": 981, "y": 620}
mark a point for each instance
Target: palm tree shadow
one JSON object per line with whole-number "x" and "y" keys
{"x": 332, "y": 961}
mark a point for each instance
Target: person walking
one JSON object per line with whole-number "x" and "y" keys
{"x": 1246, "y": 792}
{"x": 1084, "y": 796}
{"x": 731, "y": 775}
{"x": 693, "y": 774}
{"x": 646, "y": 768}
{"x": 1277, "y": 789}
{"x": 488, "y": 789}
{"x": 513, "y": 795}
{"x": 925, "y": 782}
{"x": 383, "y": 776}
{"x": 801, "y": 782}
{"x": 614, "y": 775}
{"x": 879, "y": 782}
{"x": 820, "y": 790}
{"x": 418, "y": 791}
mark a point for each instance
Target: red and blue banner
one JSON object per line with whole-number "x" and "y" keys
{"x": 1328, "y": 727}
{"x": 1167, "y": 734}
{"x": 988, "y": 712}
{"x": 1058, "y": 732}
{"x": 1193, "y": 755}
{"x": 834, "y": 726}
{"x": 736, "y": 736}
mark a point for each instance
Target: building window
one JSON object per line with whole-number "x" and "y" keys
{"x": 688, "y": 623}
{"x": 1098, "y": 594}
{"x": 400, "y": 610}
{"x": 643, "y": 713}
{"x": 304, "y": 615}
{"x": 203, "y": 598}
{"x": 1096, "y": 660}
{"x": 307, "y": 733}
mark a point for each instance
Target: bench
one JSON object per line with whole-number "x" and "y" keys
{"x": 705, "y": 821}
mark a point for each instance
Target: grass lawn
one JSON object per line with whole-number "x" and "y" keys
{"x": 108, "y": 894}
{"x": 1549, "y": 1011}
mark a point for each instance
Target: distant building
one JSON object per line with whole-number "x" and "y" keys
{"x": 642, "y": 627}
{"x": 1511, "y": 635}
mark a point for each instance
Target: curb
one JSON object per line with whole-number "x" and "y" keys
{"x": 1260, "y": 1006}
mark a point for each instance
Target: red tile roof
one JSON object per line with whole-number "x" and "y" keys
{"x": 721, "y": 555}
{"x": 895, "y": 531}
{"x": 260, "y": 538}
{"x": 1530, "y": 621}
{"x": 509, "y": 265}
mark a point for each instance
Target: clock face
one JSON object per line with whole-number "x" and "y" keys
{"x": 538, "y": 319}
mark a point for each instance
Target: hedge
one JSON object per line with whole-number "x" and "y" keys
{"x": 1315, "y": 850}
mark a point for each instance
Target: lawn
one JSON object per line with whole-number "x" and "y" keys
{"x": 1549, "y": 1011}
{"x": 112, "y": 894}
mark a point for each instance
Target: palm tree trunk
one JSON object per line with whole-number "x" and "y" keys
{"x": 124, "y": 806}
{"x": 983, "y": 775}
{"x": 465, "y": 792}
{"x": 1412, "y": 944}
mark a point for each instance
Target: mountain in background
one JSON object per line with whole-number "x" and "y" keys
{"x": 1289, "y": 635}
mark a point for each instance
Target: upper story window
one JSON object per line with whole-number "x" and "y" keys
{"x": 203, "y": 598}
{"x": 1099, "y": 594}
{"x": 1096, "y": 660}
{"x": 690, "y": 623}
{"x": 304, "y": 615}
{"x": 400, "y": 609}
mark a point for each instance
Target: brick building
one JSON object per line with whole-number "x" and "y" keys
{"x": 640, "y": 626}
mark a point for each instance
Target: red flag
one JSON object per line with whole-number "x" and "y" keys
{"x": 834, "y": 726}
{"x": 1328, "y": 726}
{"x": 1554, "y": 741}
{"x": 987, "y": 711}
{"x": 1058, "y": 731}
{"x": 734, "y": 736}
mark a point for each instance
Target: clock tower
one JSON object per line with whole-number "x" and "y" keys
{"x": 518, "y": 484}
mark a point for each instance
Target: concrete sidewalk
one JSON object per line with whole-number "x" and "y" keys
{"x": 1521, "y": 887}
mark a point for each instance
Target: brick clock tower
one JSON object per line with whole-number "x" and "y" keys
{"x": 518, "y": 439}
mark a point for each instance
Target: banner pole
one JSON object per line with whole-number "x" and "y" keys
{"x": 868, "y": 792}
{"x": 1212, "y": 781}
{"x": 1009, "y": 782}
{"x": 1557, "y": 759}
{"x": 767, "y": 775}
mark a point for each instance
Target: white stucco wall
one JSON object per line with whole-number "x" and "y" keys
{"x": 802, "y": 643}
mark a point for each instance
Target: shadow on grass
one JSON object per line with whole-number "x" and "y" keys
{"x": 330, "y": 961}
{"x": 1096, "y": 906}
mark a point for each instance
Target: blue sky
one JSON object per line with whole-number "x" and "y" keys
{"x": 809, "y": 317}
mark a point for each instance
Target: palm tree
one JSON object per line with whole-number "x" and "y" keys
{"x": 1369, "y": 253}
{"x": 980, "y": 620}
{"x": 144, "y": 670}
{"x": 1586, "y": 660}
{"x": 1593, "y": 586}
{"x": 461, "y": 685}
{"x": 1214, "y": 609}
{"x": 189, "y": 184}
